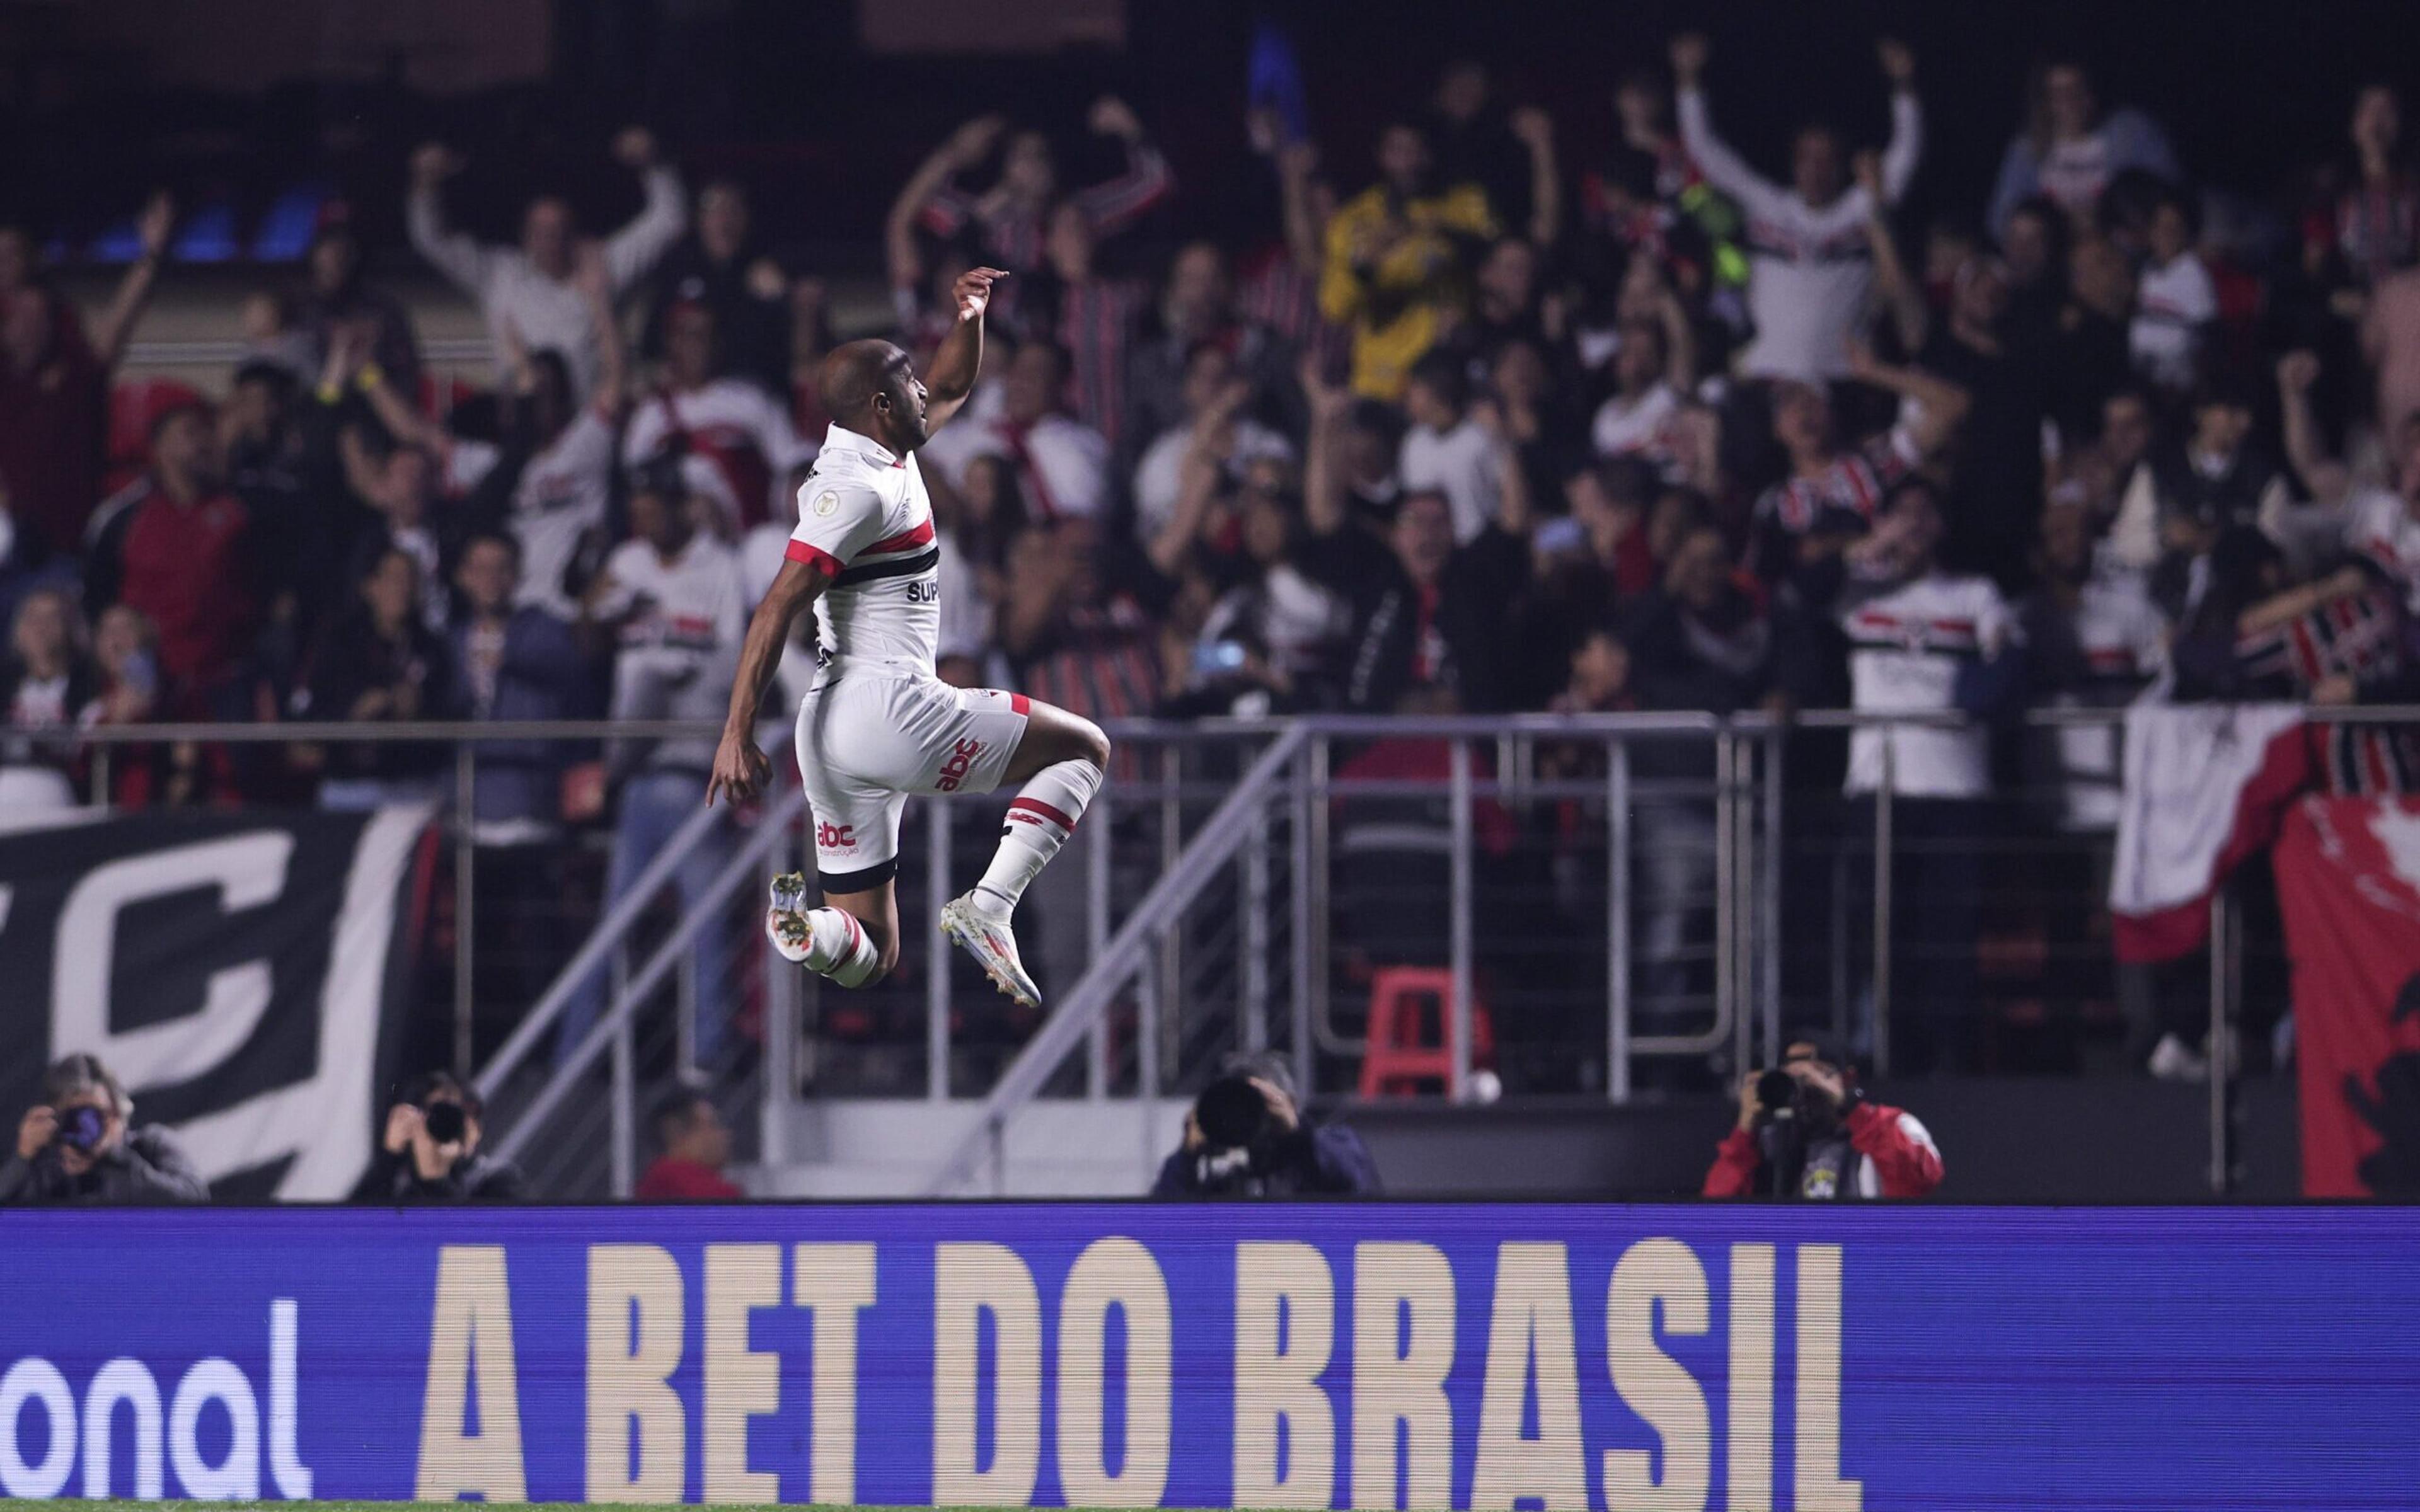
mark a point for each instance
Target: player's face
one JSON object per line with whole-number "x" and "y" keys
{"x": 906, "y": 401}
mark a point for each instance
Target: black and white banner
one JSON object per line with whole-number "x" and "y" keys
{"x": 239, "y": 972}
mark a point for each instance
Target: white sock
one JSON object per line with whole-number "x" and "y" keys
{"x": 838, "y": 948}
{"x": 1040, "y": 818}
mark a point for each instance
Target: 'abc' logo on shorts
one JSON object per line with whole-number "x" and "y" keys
{"x": 954, "y": 771}
{"x": 836, "y": 837}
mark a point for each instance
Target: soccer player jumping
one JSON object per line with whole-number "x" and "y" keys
{"x": 878, "y": 725}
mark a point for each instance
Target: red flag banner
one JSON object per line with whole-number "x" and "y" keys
{"x": 2348, "y": 883}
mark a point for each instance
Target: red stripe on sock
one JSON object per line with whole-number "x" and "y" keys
{"x": 1037, "y": 805}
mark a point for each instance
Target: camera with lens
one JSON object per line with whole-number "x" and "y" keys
{"x": 80, "y": 1128}
{"x": 445, "y": 1121}
{"x": 1237, "y": 1130}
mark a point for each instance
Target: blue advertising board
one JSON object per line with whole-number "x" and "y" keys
{"x": 1211, "y": 1356}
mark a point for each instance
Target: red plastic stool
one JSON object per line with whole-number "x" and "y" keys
{"x": 1402, "y": 1053}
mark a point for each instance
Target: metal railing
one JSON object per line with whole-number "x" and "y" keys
{"x": 1260, "y": 968}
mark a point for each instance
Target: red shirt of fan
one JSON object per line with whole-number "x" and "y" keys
{"x": 684, "y": 1180}
{"x": 185, "y": 570}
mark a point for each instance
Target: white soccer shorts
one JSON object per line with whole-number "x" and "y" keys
{"x": 868, "y": 739}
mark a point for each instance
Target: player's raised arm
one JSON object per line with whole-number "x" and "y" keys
{"x": 955, "y": 366}
{"x": 739, "y": 765}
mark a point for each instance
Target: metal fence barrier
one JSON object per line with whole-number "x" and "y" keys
{"x": 1662, "y": 866}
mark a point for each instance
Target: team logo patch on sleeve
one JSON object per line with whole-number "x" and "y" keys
{"x": 826, "y": 503}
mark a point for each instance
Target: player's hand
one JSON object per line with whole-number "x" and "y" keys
{"x": 972, "y": 291}
{"x": 35, "y": 1131}
{"x": 635, "y": 149}
{"x": 739, "y": 769}
{"x": 1112, "y": 117}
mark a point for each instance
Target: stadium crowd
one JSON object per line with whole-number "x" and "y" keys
{"x": 1512, "y": 422}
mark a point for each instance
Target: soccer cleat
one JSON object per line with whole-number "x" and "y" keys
{"x": 988, "y": 940}
{"x": 785, "y": 922}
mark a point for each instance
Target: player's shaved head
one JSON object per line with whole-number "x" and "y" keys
{"x": 852, "y": 375}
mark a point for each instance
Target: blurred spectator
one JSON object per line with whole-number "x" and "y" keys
{"x": 1394, "y": 273}
{"x": 2390, "y": 340}
{"x": 695, "y": 1145}
{"x": 719, "y": 266}
{"x": 429, "y": 1151}
{"x": 2071, "y": 150}
{"x": 1700, "y": 641}
{"x": 1808, "y": 277}
{"x": 2091, "y": 356}
{"x": 672, "y": 596}
{"x": 174, "y": 546}
{"x": 1009, "y": 219}
{"x": 46, "y": 682}
{"x": 1197, "y": 308}
{"x": 1091, "y": 315}
{"x": 1430, "y": 616}
{"x": 1214, "y": 417}
{"x": 336, "y": 299}
{"x": 1652, "y": 368}
{"x": 2218, "y": 475}
{"x": 699, "y": 408}
{"x": 2373, "y": 227}
{"x": 1825, "y": 1140}
{"x": 512, "y": 665}
{"x": 548, "y": 478}
{"x": 1247, "y": 1137}
{"x": 2176, "y": 302}
{"x": 2093, "y": 640}
{"x": 529, "y": 289}
{"x": 381, "y": 663}
{"x": 1831, "y": 489}
{"x": 78, "y": 1146}
{"x": 1923, "y": 640}
{"x": 2380, "y": 522}
{"x": 55, "y": 383}
{"x": 1447, "y": 451}
{"x": 1062, "y": 465}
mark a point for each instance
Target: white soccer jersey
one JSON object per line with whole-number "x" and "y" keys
{"x": 1908, "y": 644}
{"x": 865, "y": 518}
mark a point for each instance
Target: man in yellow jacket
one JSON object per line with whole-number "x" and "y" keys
{"x": 1395, "y": 262}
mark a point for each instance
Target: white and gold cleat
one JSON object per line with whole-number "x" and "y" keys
{"x": 785, "y": 921}
{"x": 987, "y": 938}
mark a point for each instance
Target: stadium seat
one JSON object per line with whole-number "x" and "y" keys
{"x": 1403, "y": 1049}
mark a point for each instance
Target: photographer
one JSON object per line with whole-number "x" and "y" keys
{"x": 1245, "y": 1137}
{"x": 75, "y": 1145}
{"x": 431, "y": 1152}
{"x": 1807, "y": 1131}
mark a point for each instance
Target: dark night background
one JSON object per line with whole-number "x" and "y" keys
{"x": 783, "y": 93}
